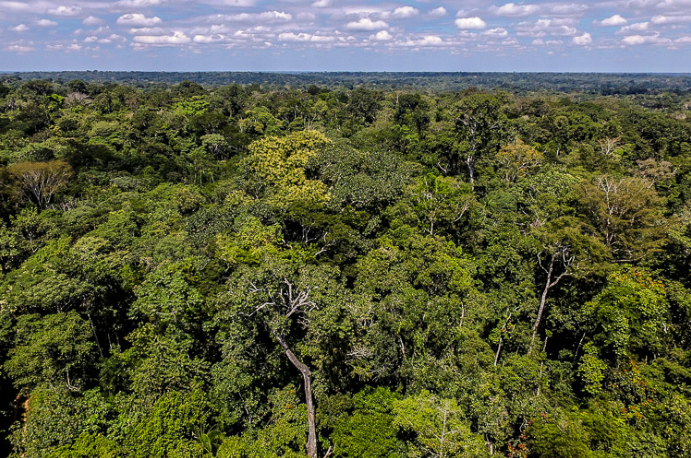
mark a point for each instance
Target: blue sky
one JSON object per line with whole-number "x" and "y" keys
{"x": 331, "y": 35}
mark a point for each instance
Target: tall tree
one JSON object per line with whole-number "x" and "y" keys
{"x": 479, "y": 126}
{"x": 39, "y": 181}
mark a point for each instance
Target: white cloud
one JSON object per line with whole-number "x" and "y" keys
{"x": 306, "y": 17}
{"x": 612, "y": 21}
{"x": 527, "y": 9}
{"x": 541, "y": 42}
{"x": 683, "y": 40}
{"x": 175, "y": 39}
{"x": 513, "y": 10}
{"x": 267, "y": 16}
{"x": 113, "y": 37}
{"x": 137, "y": 19}
{"x": 65, "y": 11}
{"x": 232, "y": 3}
{"x": 437, "y": 12}
{"x": 497, "y": 32}
{"x": 645, "y": 39}
{"x": 91, "y": 39}
{"x": 426, "y": 41}
{"x": 148, "y": 31}
{"x": 660, "y": 20}
{"x": 467, "y": 23}
{"x": 20, "y": 28}
{"x": 381, "y": 36}
{"x": 7, "y": 6}
{"x": 544, "y": 27}
{"x": 636, "y": 27}
{"x": 582, "y": 40}
{"x": 367, "y": 24}
{"x": 19, "y": 48}
{"x": 431, "y": 40}
{"x": 322, "y": 3}
{"x": 46, "y": 23}
{"x": 635, "y": 40}
{"x": 138, "y": 3}
{"x": 209, "y": 38}
{"x": 274, "y": 16}
{"x": 405, "y": 12}
{"x": 92, "y": 20}
{"x": 304, "y": 37}
{"x": 567, "y": 10}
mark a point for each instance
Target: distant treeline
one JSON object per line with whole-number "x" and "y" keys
{"x": 594, "y": 83}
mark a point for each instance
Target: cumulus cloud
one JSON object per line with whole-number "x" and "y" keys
{"x": 322, "y": 3}
{"x": 612, "y": 21}
{"x": 113, "y": 37}
{"x": 566, "y": 9}
{"x": 20, "y": 28}
{"x": 381, "y": 36}
{"x": 305, "y": 37}
{"x": 148, "y": 31}
{"x": 177, "y": 38}
{"x": 431, "y": 40}
{"x": 92, "y": 20}
{"x": 215, "y": 38}
{"x": 527, "y": 9}
{"x": 426, "y": 41}
{"x": 231, "y": 3}
{"x": 7, "y": 6}
{"x": 437, "y": 12}
{"x": 366, "y": 23}
{"x": 468, "y": 23}
{"x": 582, "y": 40}
{"x": 545, "y": 27}
{"x": 497, "y": 32}
{"x": 46, "y": 23}
{"x": 267, "y": 17}
{"x": 61, "y": 47}
{"x": 541, "y": 42}
{"x": 19, "y": 48}
{"x": 136, "y": 19}
{"x": 65, "y": 11}
{"x": 138, "y": 3}
{"x": 661, "y": 20}
{"x": 635, "y": 40}
{"x": 636, "y": 27}
{"x": 306, "y": 17}
{"x": 513, "y": 10}
{"x": 405, "y": 12}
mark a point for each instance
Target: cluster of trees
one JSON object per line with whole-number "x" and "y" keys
{"x": 233, "y": 272}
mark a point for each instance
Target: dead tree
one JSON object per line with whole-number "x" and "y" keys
{"x": 284, "y": 304}
{"x": 560, "y": 254}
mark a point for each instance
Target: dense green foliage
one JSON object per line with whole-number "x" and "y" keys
{"x": 184, "y": 269}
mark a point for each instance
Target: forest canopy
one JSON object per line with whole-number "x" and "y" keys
{"x": 345, "y": 269}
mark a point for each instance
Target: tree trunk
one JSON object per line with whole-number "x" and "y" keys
{"x": 548, "y": 285}
{"x": 311, "y": 445}
{"x": 470, "y": 161}
{"x": 496, "y": 357}
{"x": 543, "y": 299}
